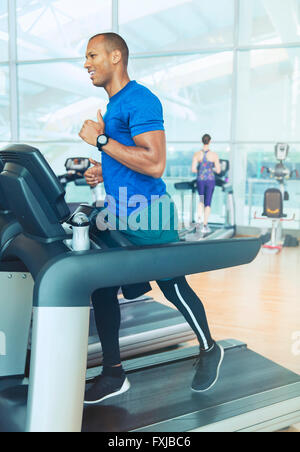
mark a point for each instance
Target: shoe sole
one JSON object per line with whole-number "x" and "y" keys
{"x": 125, "y": 387}
{"x": 218, "y": 373}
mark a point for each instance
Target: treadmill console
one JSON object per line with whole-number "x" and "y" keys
{"x": 225, "y": 166}
{"x": 78, "y": 164}
{"x": 33, "y": 192}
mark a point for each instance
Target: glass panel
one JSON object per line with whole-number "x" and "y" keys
{"x": 257, "y": 181}
{"x": 164, "y": 25}
{"x": 55, "y": 99}
{"x": 3, "y": 31}
{"x": 269, "y": 95}
{"x": 4, "y": 104}
{"x": 59, "y": 28}
{"x": 269, "y": 21}
{"x": 195, "y": 92}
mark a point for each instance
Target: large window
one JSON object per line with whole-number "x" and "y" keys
{"x": 230, "y": 68}
{"x": 55, "y": 99}
{"x": 164, "y": 25}
{"x": 3, "y": 31}
{"x": 195, "y": 91}
{"x": 266, "y": 22}
{"x": 269, "y": 95}
{"x": 59, "y": 28}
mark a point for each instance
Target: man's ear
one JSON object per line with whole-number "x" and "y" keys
{"x": 116, "y": 56}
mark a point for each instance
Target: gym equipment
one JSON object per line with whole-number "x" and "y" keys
{"x": 146, "y": 325}
{"x": 253, "y": 393}
{"x": 290, "y": 241}
{"x": 9, "y": 227}
{"x": 75, "y": 169}
{"x": 273, "y": 199}
{"x": 218, "y": 230}
{"x": 13, "y": 280}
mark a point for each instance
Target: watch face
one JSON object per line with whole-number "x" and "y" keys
{"x": 102, "y": 140}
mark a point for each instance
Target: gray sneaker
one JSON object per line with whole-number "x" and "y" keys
{"x": 105, "y": 387}
{"x": 205, "y": 230}
{"x": 208, "y": 368}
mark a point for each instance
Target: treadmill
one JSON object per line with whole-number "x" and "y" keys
{"x": 252, "y": 394}
{"x": 219, "y": 231}
{"x": 146, "y": 325}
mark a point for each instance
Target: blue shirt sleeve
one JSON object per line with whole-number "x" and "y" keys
{"x": 146, "y": 114}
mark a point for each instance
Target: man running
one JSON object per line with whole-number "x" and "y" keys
{"x": 132, "y": 142}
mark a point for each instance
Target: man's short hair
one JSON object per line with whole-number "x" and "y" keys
{"x": 113, "y": 42}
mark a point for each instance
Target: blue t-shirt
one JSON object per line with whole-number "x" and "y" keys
{"x": 132, "y": 111}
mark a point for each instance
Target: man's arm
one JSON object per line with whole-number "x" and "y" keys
{"x": 147, "y": 157}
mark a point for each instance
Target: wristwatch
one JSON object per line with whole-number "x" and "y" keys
{"x": 102, "y": 140}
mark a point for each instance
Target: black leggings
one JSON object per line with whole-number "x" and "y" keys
{"x": 108, "y": 317}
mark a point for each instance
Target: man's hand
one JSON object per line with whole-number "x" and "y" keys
{"x": 93, "y": 175}
{"x": 91, "y": 130}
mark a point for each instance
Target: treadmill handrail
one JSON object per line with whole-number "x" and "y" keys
{"x": 69, "y": 278}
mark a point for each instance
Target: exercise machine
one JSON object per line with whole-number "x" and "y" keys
{"x": 253, "y": 393}
{"x": 75, "y": 169}
{"x": 224, "y": 230}
{"x": 146, "y": 325}
{"x": 274, "y": 199}
{"x": 9, "y": 227}
{"x": 13, "y": 280}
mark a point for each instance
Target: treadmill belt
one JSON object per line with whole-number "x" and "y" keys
{"x": 160, "y": 398}
{"x": 142, "y": 316}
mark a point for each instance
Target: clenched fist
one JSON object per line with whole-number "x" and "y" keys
{"x": 93, "y": 175}
{"x": 91, "y": 130}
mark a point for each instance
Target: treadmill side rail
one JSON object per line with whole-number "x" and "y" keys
{"x": 134, "y": 265}
{"x": 57, "y": 370}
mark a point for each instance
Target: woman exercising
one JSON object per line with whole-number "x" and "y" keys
{"x": 205, "y": 163}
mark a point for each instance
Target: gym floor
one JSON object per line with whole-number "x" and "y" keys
{"x": 257, "y": 303}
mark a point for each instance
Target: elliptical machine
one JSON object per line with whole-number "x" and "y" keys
{"x": 274, "y": 198}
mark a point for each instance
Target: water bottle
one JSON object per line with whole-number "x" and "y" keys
{"x": 80, "y": 225}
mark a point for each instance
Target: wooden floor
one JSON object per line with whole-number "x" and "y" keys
{"x": 258, "y": 303}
